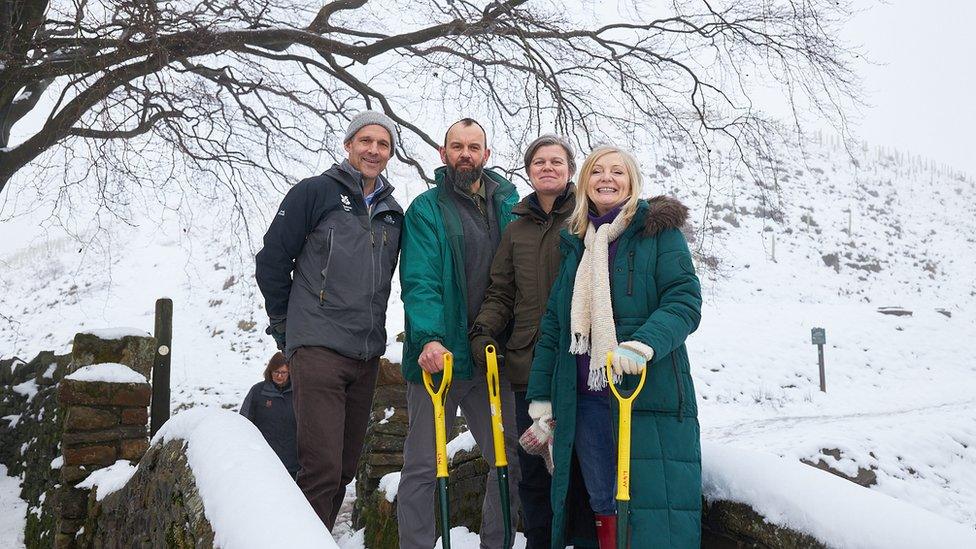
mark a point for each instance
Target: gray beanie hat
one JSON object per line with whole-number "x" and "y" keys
{"x": 366, "y": 118}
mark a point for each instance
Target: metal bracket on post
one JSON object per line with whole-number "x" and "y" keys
{"x": 159, "y": 410}
{"x": 819, "y": 338}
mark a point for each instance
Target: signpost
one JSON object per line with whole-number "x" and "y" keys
{"x": 819, "y": 338}
{"x": 159, "y": 410}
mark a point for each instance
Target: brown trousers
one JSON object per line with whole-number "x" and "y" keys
{"x": 332, "y": 395}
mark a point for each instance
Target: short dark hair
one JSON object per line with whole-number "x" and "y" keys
{"x": 467, "y": 122}
{"x": 277, "y": 361}
{"x": 545, "y": 141}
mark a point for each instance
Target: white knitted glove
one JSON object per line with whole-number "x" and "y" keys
{"x": 631, "y": 357}
{"x": 536, "y": 438}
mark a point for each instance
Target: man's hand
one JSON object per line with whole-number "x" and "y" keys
{"x": 479, "y": 339}
{"x": 432, "y": 357}
{"x": 277, "y": 331}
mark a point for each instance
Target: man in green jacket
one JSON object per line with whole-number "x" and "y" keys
{"x": 450, "y": 234}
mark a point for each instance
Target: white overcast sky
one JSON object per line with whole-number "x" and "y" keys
{"x": 922, "y": 93}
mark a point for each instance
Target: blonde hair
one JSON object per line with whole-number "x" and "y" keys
{"x": 579, "y": 221}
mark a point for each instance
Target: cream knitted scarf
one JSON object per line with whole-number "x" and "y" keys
{"x": 591, "y": 316}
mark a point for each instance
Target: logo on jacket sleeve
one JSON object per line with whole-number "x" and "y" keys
{"x": 346, "y": 203}
{"x": 389, "y": 219}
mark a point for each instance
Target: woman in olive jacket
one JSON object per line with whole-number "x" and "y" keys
{"x": 627, "y": 285}
{"x": 269, "y": 407}
{"x": 522, "y": 273}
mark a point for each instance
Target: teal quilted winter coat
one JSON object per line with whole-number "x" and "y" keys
{"x": 656, "y": 300}
{"x": 432, "y": 283}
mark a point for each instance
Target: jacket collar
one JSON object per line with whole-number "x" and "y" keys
{"x": 529, "y": 206}
{"x": 352, "y": 179}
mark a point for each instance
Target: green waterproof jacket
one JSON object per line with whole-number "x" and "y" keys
{"x": 656, "y": 300}
{"x": 432, "y": 282}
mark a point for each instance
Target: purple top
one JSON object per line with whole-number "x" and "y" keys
{"x": 583, "y": 361}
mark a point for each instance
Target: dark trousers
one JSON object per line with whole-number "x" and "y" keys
{"x": 534, "y": 486}
{"x": 333, "y": 395}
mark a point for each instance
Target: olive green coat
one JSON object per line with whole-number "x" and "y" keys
{"x": 522, "y": 273}
{"x": 656, "y": 300}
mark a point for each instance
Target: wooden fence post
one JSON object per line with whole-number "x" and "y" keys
{"x": 160, "y": 373}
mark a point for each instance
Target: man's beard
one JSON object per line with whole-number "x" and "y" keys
{"x": 464, "y": 177}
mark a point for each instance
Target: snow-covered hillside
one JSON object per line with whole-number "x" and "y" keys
{"x": 834, "y": 237}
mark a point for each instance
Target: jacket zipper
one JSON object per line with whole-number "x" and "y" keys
{"x": 681, "y": 393}
{"x": 325, "y": 271}
{"x": 630, "y": 273}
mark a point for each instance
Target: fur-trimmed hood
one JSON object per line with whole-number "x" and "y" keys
{"x": 664, "y": 212}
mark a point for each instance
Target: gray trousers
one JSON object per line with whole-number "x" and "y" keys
{"x": 416, "y": 511}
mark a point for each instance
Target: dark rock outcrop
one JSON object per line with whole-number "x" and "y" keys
{"x": 160, "y": 506}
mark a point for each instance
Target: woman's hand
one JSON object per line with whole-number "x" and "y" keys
{"x": 631, "y": 357}
{"x": 536, "y": 438}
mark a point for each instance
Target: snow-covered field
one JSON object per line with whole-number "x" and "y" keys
{"x": 826, "y": 245}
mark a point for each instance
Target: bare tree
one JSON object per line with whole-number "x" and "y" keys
{"x": 217, "y": 94}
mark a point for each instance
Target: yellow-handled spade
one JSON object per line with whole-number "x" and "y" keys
{"x": 623, "y": 451}
{"x": 498, "y": 436}
{"x": 438, "y": 397}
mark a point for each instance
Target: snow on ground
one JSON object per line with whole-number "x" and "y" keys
{"x": 108, "y": 372}
{"x": 826, "y": 245}
{"x": 237, "y": 474}
{"x": 13, "y": 512}
{"x": 835, "y": 511}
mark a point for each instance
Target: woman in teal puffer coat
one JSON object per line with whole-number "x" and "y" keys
{"x": 627, "y": 285}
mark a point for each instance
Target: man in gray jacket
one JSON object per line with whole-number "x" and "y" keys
{"x": 325, "y": 273}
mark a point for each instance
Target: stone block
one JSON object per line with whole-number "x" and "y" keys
{"x": 385, "y": 459}
{"x": 389, "y": 374}
{"x": 88, "y": 393}
{"x": 133, "y": 351}
{"x": 105, "y": 436}
{"x": 64, "y": 541}
{"x": 135, "y": 416}
{"x": 390, "y": 395}
{"x": 70, "y": 526}
{"x": 72, "y": 503}
{"x": 133, "y": 394}
{"x": 133, "y": 449}
{"x": 84, "y": 418}
{"x": 70, "y": 474}
{"x": 90, "y": 455}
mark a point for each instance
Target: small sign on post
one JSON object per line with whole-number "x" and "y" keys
{"x": 159, "y": 410}
{"x": 819, "y": 338}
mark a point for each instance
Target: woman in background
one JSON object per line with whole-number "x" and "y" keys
{"x": 268, "y": 405}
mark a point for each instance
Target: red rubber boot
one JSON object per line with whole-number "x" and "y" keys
{"x": 606, "y": 531}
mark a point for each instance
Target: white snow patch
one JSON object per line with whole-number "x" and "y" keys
{"x": 242, "y": 483}
{"x": 27, "y": 389}
{"x": 109, "y": 479}
{"x": 49, "y": 373}
{"x": 117, "y": 333}
{"x": 835, "y": 511}
{"x": 464, "y": 441}
{"x": 57, "y": 462}
{"x": 462, "y": 538}
{"x": 13, "y": 511}
{"x": 14, "y": 419}
{"x": 387, "y": 414}
{"x": 109, "y": 372}
{"x": 389, "y": 485}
